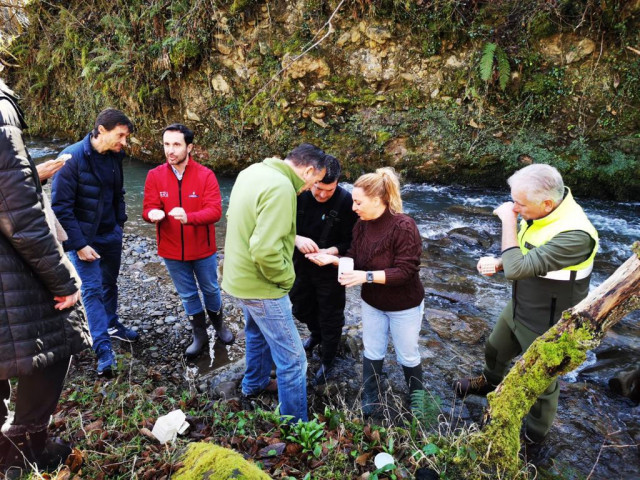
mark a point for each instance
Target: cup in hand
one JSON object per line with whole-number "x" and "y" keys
{"x": 487, "y": 266}
{"x": 345, "y": 265}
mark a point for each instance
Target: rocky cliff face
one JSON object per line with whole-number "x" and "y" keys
{"x": 445, "y": 91}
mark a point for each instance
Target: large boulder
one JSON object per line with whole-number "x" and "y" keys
{"x": 211, "y": 462}
{"x": 564, "y": 48}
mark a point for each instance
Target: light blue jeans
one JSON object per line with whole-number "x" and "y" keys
{"x": 184, "y": 275}
{"x": 405, "y": 330}
{"x": 272, "y": 337}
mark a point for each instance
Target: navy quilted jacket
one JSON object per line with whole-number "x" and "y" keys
{"x": 76, "y": 194}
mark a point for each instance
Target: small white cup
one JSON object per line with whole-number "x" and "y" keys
{"x": 487, "y": 266}
{"x": 345, "y": 265}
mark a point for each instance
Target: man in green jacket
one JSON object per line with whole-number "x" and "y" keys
{"x": 258, "y": 271}
{"x": 550, "y": 260}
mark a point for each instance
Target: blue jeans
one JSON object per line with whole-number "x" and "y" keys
{"x": 405, "y": 331}
{"x": 184, "y": 275}
{"x": 100, "y": 285}
{"x": 272, "y": 337}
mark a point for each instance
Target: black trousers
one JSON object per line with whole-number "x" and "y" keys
{"x": 37, "y": 396}
{"x": 318, "y": 301}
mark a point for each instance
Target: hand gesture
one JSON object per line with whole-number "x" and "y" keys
{"x": 322, "y": 259}
{"x": 179, "y": 214}
{"x": 156, "y": 215}
{"x": 306, "y": 245}
{"x": 353, "y": 278}
{"x": 505, "y": 212}
{"x": 67, "y": 301}
{"x": 87, "y": 254}
{"x": 47, "y": 169}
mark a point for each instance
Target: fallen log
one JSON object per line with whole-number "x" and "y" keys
{"x": 560, "y": 350}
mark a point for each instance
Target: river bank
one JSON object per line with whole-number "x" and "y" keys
{"x": 445, "y": 91}
{"x": 596, "y": 432}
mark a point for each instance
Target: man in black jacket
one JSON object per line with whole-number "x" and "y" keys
{"x": 88, "y": 198}
{"x": 325, "y": 220}
{"x": 40, "y": 324}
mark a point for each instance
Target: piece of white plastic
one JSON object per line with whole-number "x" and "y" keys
{"x": 169, "y": 426}
{"x": 383, "y": 459}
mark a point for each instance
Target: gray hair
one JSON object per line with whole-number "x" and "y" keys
{"x": 540, "y": 181}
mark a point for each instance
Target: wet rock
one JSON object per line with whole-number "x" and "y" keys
{"x": 226, "y": 390}
{"x": 469, "y": 237}
{"x": 627, "y": 383}
{"x": 449, "y": 326}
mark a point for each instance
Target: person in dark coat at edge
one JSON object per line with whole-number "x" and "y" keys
{"x": 41, "y": 323}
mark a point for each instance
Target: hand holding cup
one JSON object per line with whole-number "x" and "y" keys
{"x": 156, "y": 215}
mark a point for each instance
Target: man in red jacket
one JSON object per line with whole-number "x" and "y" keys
{"x": 183, "y": 199}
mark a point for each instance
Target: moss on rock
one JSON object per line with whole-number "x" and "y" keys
{"x": 212, "y": 462}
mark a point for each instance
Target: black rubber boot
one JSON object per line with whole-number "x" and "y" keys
{"x": 200, "y": 337}
{"x": 371, "y": 374}
{"x": 413, "y": 376}
{"x": 324, "y": 372}
{"x": 47, "y": 453}
{"x": 225, "y": 335}
{"x": 18, "y": 452}
{"x": 310, "y": 343}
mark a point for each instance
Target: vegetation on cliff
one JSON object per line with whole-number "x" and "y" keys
{"x": 444, "y": 90}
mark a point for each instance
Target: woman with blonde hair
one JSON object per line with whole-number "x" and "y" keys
{"x": 386, "y": 250}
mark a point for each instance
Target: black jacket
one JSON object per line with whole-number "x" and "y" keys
{"x": 33, "y": 267}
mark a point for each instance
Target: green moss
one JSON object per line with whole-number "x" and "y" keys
{"x": 205, "y": 460}
{"x": 553, "y": 354}
{"x": 183, "y": 52}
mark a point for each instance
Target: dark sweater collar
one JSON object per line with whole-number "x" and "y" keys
{"x": 382, "y": 224}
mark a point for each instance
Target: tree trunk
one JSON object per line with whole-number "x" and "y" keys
{"x": 561, "y": 349}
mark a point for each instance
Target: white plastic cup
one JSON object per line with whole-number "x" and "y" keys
{"x": 169, "y": 426}
{"x": 345, "y": 265}
{"x": 487, "y": 265}
{"x": 383, "y": 459}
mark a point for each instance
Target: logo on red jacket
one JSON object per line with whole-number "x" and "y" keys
{"x": 164, "y": 194}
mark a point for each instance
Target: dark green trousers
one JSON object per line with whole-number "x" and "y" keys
{"x": 507, "y": 341}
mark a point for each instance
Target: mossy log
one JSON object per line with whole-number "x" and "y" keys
{"x": 560, "y": 350}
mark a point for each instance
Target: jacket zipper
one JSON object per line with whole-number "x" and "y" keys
{"x": 181, "y": 224}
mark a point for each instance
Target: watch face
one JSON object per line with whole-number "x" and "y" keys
{"x": 369, "y": 277}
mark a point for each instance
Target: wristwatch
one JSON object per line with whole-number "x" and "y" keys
{"x": 369, "y": 277}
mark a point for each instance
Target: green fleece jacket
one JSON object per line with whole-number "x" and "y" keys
{"x": 261, "y": 231}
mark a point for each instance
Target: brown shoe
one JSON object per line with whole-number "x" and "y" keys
{"x": 272, "y": 387}
{"x": 473, "y": 386}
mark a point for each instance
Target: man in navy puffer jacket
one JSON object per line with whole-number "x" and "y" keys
{"x": 88, "y": 199}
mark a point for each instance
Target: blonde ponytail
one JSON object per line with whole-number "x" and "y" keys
{"x": 384, "y": 184}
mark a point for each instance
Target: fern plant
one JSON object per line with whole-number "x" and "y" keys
{"x": 425, "y": 407}
{"x": 490, "y": 53}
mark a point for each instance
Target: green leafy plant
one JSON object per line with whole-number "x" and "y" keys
{"x": 308, "y": 434}
{"x": 425, "y": 407}
{"x": 490, "y": 53}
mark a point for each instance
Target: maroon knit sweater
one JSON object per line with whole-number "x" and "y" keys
{"x": 391, "y": 243}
